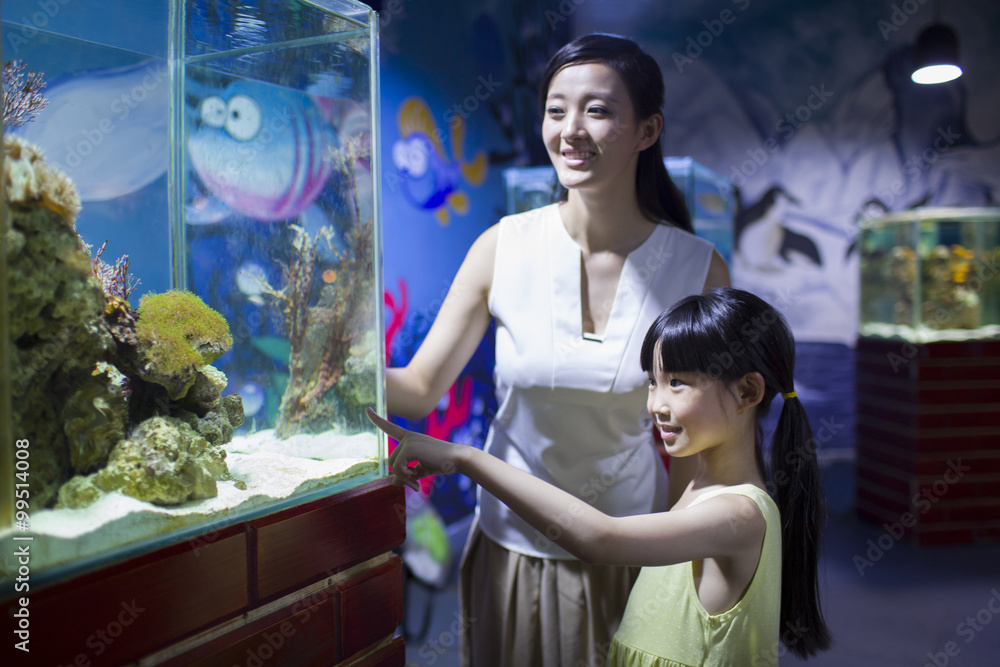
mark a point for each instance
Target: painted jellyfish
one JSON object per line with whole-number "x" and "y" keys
{"x": 107, "y": 128}
{"x": 261, "y": 149}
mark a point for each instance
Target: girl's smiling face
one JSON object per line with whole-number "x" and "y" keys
{"x": 590, "y": 130}
{"x": 691, "y": 411}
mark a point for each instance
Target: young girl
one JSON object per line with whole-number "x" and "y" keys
{"x": 728, "y": 572}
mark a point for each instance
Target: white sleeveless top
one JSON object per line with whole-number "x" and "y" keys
{"x": 572, "y": 411}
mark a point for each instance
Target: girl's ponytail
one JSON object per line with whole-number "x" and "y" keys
{"x": 797, "y": 491}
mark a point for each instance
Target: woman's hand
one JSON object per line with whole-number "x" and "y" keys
{"x": 433, "y": 456}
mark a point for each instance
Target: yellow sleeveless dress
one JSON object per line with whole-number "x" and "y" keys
{"x": 665, "y": 624}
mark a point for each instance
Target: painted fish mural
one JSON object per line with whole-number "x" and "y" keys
{"x": 106, "y": 128}
{"x": 262, "y": 150}
{"x": 428, "y": 177}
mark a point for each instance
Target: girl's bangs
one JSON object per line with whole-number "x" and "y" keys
{"x": 686, "y": 346}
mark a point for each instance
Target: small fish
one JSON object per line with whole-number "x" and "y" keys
{"x": 260, "y": 149}
{"x": 430, "y": 178}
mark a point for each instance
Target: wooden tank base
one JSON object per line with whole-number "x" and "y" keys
{"x": 928, "y": 447}
{"x": 312, "y": 585}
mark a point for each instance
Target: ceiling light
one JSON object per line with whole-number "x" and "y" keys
{"x": 937, "y": 55}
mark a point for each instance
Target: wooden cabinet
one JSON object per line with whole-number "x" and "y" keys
{"x": 316, "y": 584}
{"x": 928, "y": 448}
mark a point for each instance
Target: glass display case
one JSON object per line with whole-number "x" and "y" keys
{"x": 931, "y": 274}
{"x": 191, "y": 229}
{"x": 708, "y": 195}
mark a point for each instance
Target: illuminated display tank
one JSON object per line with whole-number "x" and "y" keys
{"x": 193, "y": 282}
{"x": 931, "y": 274}
{"x": 709, "y": 196}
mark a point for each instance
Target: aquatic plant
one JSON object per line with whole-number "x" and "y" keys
{"x": 177, "y": 334}
{"x": 115, "y": 280}
{"x": 325, "y": 333}
{"x": 22, "y": 94}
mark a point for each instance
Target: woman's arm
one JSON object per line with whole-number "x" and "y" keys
{"x": 413, "y": 390}
{"x": 721, "y": 527}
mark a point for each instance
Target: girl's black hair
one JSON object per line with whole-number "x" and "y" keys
{"x": 659, "y": 197}
{"x": 728, "y": 333}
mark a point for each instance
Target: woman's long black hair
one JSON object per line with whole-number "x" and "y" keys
{"x": 728, "y": 333}
{"x": 659, "y": 197}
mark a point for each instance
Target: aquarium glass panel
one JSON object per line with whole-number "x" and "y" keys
{"x": 931, "y": 274}
{"x": 193, "y": 286}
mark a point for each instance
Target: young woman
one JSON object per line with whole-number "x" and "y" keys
{"x": 729, "y": 574}
{"x": 572, "y": 287}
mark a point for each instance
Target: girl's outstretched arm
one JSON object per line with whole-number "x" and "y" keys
{"x": 725, "y": 526}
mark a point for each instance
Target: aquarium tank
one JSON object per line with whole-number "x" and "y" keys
{"x": 192, "y": 280}
{"x": 708, "y": 195}
{"x": 931, "y": 274}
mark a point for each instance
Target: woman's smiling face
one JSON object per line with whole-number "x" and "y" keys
{"x": 590, "y": 130}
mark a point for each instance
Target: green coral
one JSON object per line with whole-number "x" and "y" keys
{"x": 178, "y": 334}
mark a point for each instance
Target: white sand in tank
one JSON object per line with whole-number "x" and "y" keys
{"x": 924, "y": 334}
{"x": 272, "y": 470}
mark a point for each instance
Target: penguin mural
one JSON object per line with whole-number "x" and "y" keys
{"x": 761, "y": 238}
